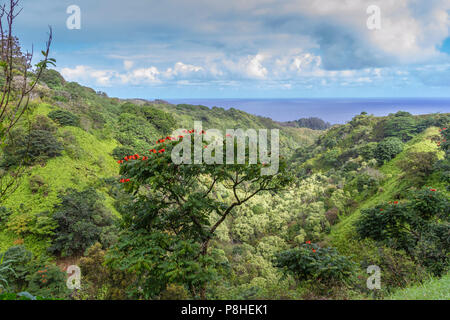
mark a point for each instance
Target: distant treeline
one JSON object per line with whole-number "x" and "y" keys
{"x": 311, "y": 123}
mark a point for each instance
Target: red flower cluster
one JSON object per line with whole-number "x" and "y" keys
{"x": 309, "y": 242}
{"x": 444, "y": 140}
{"x": 124, "y": 180}
{"x": 133, "y": 157}
{"x": 433, "y": 190}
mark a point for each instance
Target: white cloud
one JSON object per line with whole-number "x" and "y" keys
{"x": 88, "y": 74}
{"x": 183, "y": 70}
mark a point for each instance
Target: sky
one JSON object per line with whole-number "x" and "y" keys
{"x": 175, "y": 49}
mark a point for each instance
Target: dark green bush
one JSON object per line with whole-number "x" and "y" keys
{"x": 20, "y": 259}
{"x": 38, "y": 145}
{"x": 418, "y": 165}
{"x": 310, "y": 262}
{"x": 49, "y": 282}
{"x": 81, "y": 220}
{"x": 4, "y": 215}
{"x": 388, "y": 149}
{"x": 366, "y": 182}
{"x": 401, "y": 125}
{"x": 367, "y": 151}
{"x": 64, "y": 118}
{"x": 420, "y": 226}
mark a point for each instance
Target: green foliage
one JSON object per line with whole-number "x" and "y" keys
{"x": 419, "y": 226}
{"x": 182, "y": 198}
{"x": 5, "y": 213}
{"x": 433, "y": 289}
{"x": 418, "y": 166}
{"x": 368, "y": 151}
{"x": 38, "y": 145}
{"x": 81, "y": 220}
{"x": 402, "y": 125}
{"x": 122, "y": 152}
{"x": 322, "y": 265}
{"x": 48, "y": 281}
{"x": 52, "y": 78}
{"x": 312, "y": 123}
{"x": 64, "y": 118}
{"x": 100, "y": 281}
{"x": 20, "y": 259}
{"x": 5, "y": 270}
{"x": 388, "y": 149}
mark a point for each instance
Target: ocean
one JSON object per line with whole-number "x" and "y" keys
{"x": 334, "y": 111}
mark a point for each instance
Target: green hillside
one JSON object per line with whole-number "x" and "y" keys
{"x": 310, "y": 235}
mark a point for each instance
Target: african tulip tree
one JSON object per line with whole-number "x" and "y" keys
{"x": 169, "y": 223}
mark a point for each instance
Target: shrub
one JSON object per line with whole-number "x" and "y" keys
{"x": 310, "y": 262}
{"x": 366, "y": 181}
{"x": 20, "y": 259}
{"x": 418, "y": 165}
{"x": 38, "y": 145}
{"x": 419, "y": 226}
{"x": 49, "y": 282}
{"x": 38, "y": 184}
{"x": 99, "y": 281}
{"x": 397, "y": 267}
{"x": 401, "y": 125}
{"x": 121, "y": 152}
{"x": 388, "y": 149}
{"x": 64, "y": 118}
{"x": 367, "y": 151}
{"x": 81, "y": 220}
{"x": 5, "y": 213}
{"x": 332, "y": 216}
{"x": 43, "y": 123}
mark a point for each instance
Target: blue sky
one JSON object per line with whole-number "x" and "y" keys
{"x": 248, "y": 49}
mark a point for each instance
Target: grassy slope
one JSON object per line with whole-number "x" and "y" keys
{"x": 93, "y": 161}
{"x": 433, "y": 289}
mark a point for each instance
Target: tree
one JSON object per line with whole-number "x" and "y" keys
{"x": 311, "y": 262}
{"x": 28, "y": 148}
{"x": 15, "y": 83}
{"x": 64, "y": 118}
{"x": 81, "y": 219}
{"x": 401, "y": 125}
{"x": 420, "y": 226}
{"x": 388, "y": 149}
{"x": 312, "y": 123}
{"x": 175, "y": 214}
